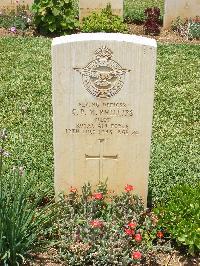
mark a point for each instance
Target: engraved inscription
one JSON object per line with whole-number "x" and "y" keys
{"x": 101, "y": 118}
{"x": 103, "y": 77}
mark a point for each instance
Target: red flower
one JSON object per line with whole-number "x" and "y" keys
{"x": 129, "y": 232}
{"x": 96, "y": 223}
{"x": 136, "y": 255}
{"x": 97, "y": 195}
{"x": 138, "y": 237}
{"x": 129, "y": 188}
{"x": 73, "y": 190}
{"x": 132, "y": 225}
{"x": 160, "y": 234}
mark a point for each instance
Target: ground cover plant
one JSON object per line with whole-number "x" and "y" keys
{"x": 102, "y": 228}
{"x": 180, "y": 215}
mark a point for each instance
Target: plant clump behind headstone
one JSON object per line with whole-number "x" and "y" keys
{"x": 103, "y": 21}
{"x": 187, "y": 28}
{"x": 151, "y": 25}
{"x": 52, "y": 16}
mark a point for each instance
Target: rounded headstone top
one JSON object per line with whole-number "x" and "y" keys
{"x": 82, "y": 37}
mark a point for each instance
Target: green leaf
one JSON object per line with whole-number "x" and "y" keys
{"x": 55, "y": 11}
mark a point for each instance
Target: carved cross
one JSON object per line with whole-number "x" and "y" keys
{"x": 101, "y": 157}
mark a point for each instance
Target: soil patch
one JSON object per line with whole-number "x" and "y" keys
{"x": 176, "y": 258}
{"x": 166, "y": 36}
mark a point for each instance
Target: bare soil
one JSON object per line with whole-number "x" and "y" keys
{"x": 165, "y": 36}
{"x": 176, "y": 258}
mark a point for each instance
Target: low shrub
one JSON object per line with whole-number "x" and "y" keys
{"x": 180, "y": 215}
{"x": 103, "y": 21}
{"x": 52, "y": 16}
{"x": 102, "y": 228}
{"x": 194, "y": 28}
{"x": 20, "y": 19}
{"x": 187, "y": 28}
{"x": 179, "y": 26}
{"x": 21, "y": 219}
{"x": 151, "y": 25}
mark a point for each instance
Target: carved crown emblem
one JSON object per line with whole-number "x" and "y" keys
{"x": 103, "y": 77}
{"x": 103, "y": 53}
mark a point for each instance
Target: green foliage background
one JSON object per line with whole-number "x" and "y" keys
{"x": 134, "y": 9}
{"x": 26, "y": 111}
{"x": 54, "y": 16}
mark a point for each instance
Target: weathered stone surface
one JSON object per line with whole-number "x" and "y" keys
{"x": 180, "y": 8}
{"x": 86, "y": 7}
{"x": 103, "y": 88}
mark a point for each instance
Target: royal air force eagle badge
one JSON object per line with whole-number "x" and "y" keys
{"x": 103, "y": 77}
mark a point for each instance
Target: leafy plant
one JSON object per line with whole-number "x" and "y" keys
{"x": 151, "y": 25}
{"x": 75, "y": 4}
{"x": 180, "y": 26}
{"x": 52, "y": 16}
{"x": 102, "y": 228}
{"x": 180, "y": 215}
{"x": 187, "y": 28}
{"x": 20, "y": 19}
{"x": 194, "y": 28}
{"x": 103, "y": 21}
{"x": 21, "y": 221}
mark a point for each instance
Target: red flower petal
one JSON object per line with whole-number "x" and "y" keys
{"x": 97, "y": 195}
{"x": 129, "y": 188}
{"x": 160, "y": 234}
{"x": 136, "y": 255}
{"x": 96, "y": 223}
{"x": 138, "y": 237}
{"x": 129, "y": 231}
{"x": 73, "y": 190}
{"x": 132, "y": 225}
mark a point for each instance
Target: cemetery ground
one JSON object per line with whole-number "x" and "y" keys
{"x": 106, "y": 230}
{"x": 26, "y": 113}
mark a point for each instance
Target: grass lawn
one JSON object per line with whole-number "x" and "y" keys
{"x": 26, "y": 111}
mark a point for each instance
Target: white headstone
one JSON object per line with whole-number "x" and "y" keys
{"x": 86, "y": 7}
{"x": 180, "y": 8}
{"x": 103, "y": 89}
